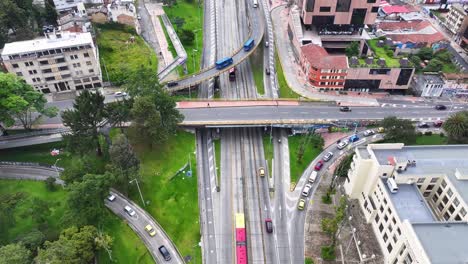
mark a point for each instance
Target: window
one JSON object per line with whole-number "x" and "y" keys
{"x": 97, "y": 85}
{"x": 451, "y": 209}
{"x": 443, "y": 183}
{"x": 398, "y": 231}
{"x": 60, "y": 60}
{"x": 456, "y": 202}
{"x": 434, "y": 180}
{"x": 63, "y": 68}
{"x": 430, "y": 187}
{"x": 393, "y": 220}
{"x": 95, "y": 78}
{"x": 446, "y": 216}
{"x": 86, "y": 55}
{"x": 91, "y": 71}
{"x": 76, "y": 65}
{"x": 408, "y": 259}
{"x": 458, "y": 218}
{"x": 390, "y": 228}
{"x": 325, "y": 9}
{"x": 89, "y": 63}
{"x": 426, "y": 194}
{"x": 385, "y": 237}
{"x": 343, "y": 5}
{"x": 377, "y": 218}
{"x": 74, "y": 57}
{"x": 32, "y": 72}
{"x": 86, "y": 80}
{"x": 380, "y": 227}
{"x": 463, "y": 212}
{"x": 389, "y": 247}
{"x": 421, "y": 180}
{"x": 29, "y": 63}
{"x": 439, "y": 191}
{"x": 434, "y": 198}
{"x": 19, "y": 74}
{"x": 385, "y": 201}
{"x": 50, "y": 78}
{"x": 371, "y": 1}
{"x": 375, "y": 9}
{"x": 445, "y": 200}
{"x": 386, "y": 218}
{"x": 440, "y": 207}
{"x": 15, "y": 65}
{"x": 394, "y": 239}
{"x": 449, "y": 193}
{"x": 47, "y": 71}
{"x": 381, "y": 209}
{"x": 77, "y": 81}
{"x": 385, "y": 174}
{"x": 44, "y": 62}
{"x": 402, "y": 249}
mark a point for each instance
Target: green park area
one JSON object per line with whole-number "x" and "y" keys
{"x": 187, "y": 19}
{"x": 256, "y": 63}
{"x": 122, "y": 51}
{"x": 383, "y": 52}
{"x": 433, "y": 139}
{"x": 284, "y": 90}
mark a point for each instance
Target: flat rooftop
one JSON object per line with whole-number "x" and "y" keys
{"x": 67, "y": 40}
{"x": 430, "y": 160}
{"x": 444, "y": 242}
{"x": 409, "y": 204}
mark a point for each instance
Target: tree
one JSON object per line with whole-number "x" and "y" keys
{"x": 329, "y": 226}
{"x": 75, "y": 246}
{"x": 187, "y": 36}
{"x": 456, "y": 127}
{"x": 416, "y": 61}
{"x": 169, "y": 2}
{"x": 86, "y": 198}
{"x": 50, "y": 14}
{"x": 86, "y": 119}
{"x": 50, "y": 183}
{"x": 19, "y": 100}
{"x": 146, "y": 120}
{"x": 352, "y": 49}
{"x": 434, "y": 65}
{"x": 15, "y": 254}
{"x": 104, "y": 241}
{"x": 39, "y": 210}
{"x": 31, "y": 240}
{"x": 79, "y": 167}
{"x": 342, "y": 169}
{"x": 178, "y": 21}
{"x": 444, "y": 56}
{"x": 398, "y": 130}
{"x": 425, "y": 53}
{"x": 118, "y": 112}
{"x": 8, "y": 204}
{"x": 124, "y": 161}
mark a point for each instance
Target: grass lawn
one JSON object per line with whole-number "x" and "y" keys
{"x": 168, "y": 39}
{"x": 193, "y": 16}
{"x": 118, "y": 55}
{"x": 217, "y": 149}
{"x": 37, "y": 153}
{"x": 434, "y": 139}
{"x": 127, "y": 246}
{"x": 256, "y": 62}
{"x": 33, "y": 189}
{"x": 310, "y": 153}
{"x": 381, "y": 53}
{"x": 284, "y": 89}
{"x": 268, "y": 148}
{"x": 172, "y": 198}
{"x": 450, "y": 68}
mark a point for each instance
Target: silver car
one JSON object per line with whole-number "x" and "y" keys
{"x": 328, "y": 156}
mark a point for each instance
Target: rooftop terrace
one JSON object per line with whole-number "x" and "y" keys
{"x": 381, "y": 52}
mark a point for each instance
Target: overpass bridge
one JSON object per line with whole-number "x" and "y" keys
{"x": 256, "y": 32}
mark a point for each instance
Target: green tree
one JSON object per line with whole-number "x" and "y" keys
{"x": 178, "y": 21}
{"x": 425, "y": 53}
{"x": 444, "y": 56}
{"x": 169, "y": 2}
{"x": 39, "y": 210}
{"x": 342, "y": 169}
{"x": 105, "y": 242}
{"x": 416, "y": 61}
{"x": 15, "y": 254}
{"x": 146, "y": 120}
{"x": 50, "y": 14}
{"x": 456, "y": 127}
{"x": 19, "y": 100}
{"x": 85, "y": 120}
{"x": 86, "y": 198}
{"x": 31, "y": 240}
{"x": 352, "y": 49}
{"x": 124, "y": 161}
{"x": 50, "y": 183}
{"x": 434, "y": 65}
{"x": 119, "y": 112}
{"x": 398, "y": 130}
{"x": 186, "y": 36}
{"x": 8, "y": 204}
{"x": 329, "y": 226}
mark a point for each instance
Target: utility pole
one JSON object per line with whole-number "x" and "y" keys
{"x": 55, "y": 166}
{"x": 138, "y": 186}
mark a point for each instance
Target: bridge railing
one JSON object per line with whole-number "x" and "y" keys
{"x": 30, "y": 164}
{"x": 36, "y": 133}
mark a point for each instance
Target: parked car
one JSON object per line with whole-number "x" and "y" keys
{"x": 319, "y": 165}
{"x": 172, "y": 84}
{"x": 353, "y": 138}
{"x": 438, "y": 123}
{"x": 440, "y": 107}
{"x": 342, "y": 144}
{"x": 267, "y": 44}
{"x": 313, "y": 177}
{"x": 164, "y": 253}
{"x": 369, "y": 132}
{"x": 150, "y": 230}
{"x": 261, "y": 171}
{"x": 267, "y": 71}
{"x": 301, "y": 205}
{"x": 139, "y": 17}
{"x": 423, "y": 125}
{"x": 269, "y": 225}
{"x": 111, "y": 198}
{"x": 381, "y": 130}
{"x": 306, "y": 190}
{"x": 328, "y": 156}
{"x": 129, "y": 211}
{"x": 345, "y": 109}
{"x": 120, "y": 94}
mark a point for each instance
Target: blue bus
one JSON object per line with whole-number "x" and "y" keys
{"x": 223, "y": 63}
{"x": 248, "y": 44}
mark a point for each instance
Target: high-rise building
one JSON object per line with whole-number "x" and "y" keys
{"x": 59, "y": 62}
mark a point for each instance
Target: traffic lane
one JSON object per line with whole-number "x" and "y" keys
{"x": 138, "y": 223}
{"x": 305, "y": 112}
{"x": 36, "y": 140}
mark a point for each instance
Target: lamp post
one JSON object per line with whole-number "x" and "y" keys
{"x": 196, "y": 40}
{"x": 55, "y": 166}
{"x": 138, "y": 186}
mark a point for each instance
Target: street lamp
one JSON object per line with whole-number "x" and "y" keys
{"x": 138, "y": 186}
{"x": 196, "y": 41}
{"x": 55, "y": 166}
{"x": 193, "y": 62}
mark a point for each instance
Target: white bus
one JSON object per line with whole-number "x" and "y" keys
{"x": 255, "y": 3}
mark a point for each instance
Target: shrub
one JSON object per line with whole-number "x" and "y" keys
{"x": 419, "y": 133}
{"x": 328, "y": 253}
{"x": 308, "y": 261}
{"x": 50, "y": 184}
{"x": 326, "y": 199}
{"x": 442, "y": 134}
{"x": 428, "y": 133}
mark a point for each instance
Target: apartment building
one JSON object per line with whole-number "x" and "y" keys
{"x": 415, "y": 198}
{"x": 59, "y": 62}
{"x": 428, "y": 85}
{"x": 65, "y": 5}
{"x": 457, "y": 19}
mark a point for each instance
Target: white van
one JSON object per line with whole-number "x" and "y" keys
{"x": 313, "y": 177}
{"x": 392, "y": 185}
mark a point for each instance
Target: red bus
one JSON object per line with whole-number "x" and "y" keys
{"x": 241, "y": 240}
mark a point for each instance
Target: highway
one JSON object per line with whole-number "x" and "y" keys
{"x": 138, "y": 223}
{"x": 304, "y": 113}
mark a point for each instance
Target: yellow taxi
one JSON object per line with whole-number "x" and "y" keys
{"x": 150, "y": 230}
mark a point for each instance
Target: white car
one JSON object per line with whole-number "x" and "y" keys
{"x": 306, "y": 190}
{"x": 139, "y": 17}
{"x": 111, "y": 198}
{"x": 369, "y": 132}
{"x": 120, "y": 94}
{"x": 129, "y": 210}
{"x": 342, "y": 144}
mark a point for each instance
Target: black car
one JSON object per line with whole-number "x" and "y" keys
{"x": 423, "y": 125}
{"x": 165, "y": 253}
{"x": 440, "y": 107}
{"x": 172, "y": 84}
{"x": 345, "y": 109}
{"x": 267, "y": 71}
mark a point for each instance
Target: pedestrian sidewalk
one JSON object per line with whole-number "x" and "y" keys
{"x": 155, "y": 10}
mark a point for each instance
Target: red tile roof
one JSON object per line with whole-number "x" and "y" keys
{"x": 413, "y": 25}
{"x": 417, "y": 38}
{"x": 319, "y": 58}
{"x": 395, "y": 9}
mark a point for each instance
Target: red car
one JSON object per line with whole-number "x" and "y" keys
{"x": 438, "y": 123}
{"x": 319, "y": 165}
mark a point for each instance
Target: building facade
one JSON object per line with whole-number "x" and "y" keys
{"x": 65, "y": 5}
{"x": 415, "y": 198}
{"x": 339, "y": 12}
{"x": 428, "y": 85}
{"x": 60, "y": 62}
{"x": 457, "y": 19}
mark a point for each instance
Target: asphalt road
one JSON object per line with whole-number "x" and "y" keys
{"x": 138, "y": 223}
{"x": 304, "y": 113}
{"x": 28, "y": 173}
{"x": 20, "y": 142}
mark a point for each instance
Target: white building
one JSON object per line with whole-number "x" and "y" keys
{"x": 425, "y": 219}
{"x": 65, "y": 5}
{"x": 428, "y": 85}
{"x": 60, "y": 62}
{"x": 457, "y": 18}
